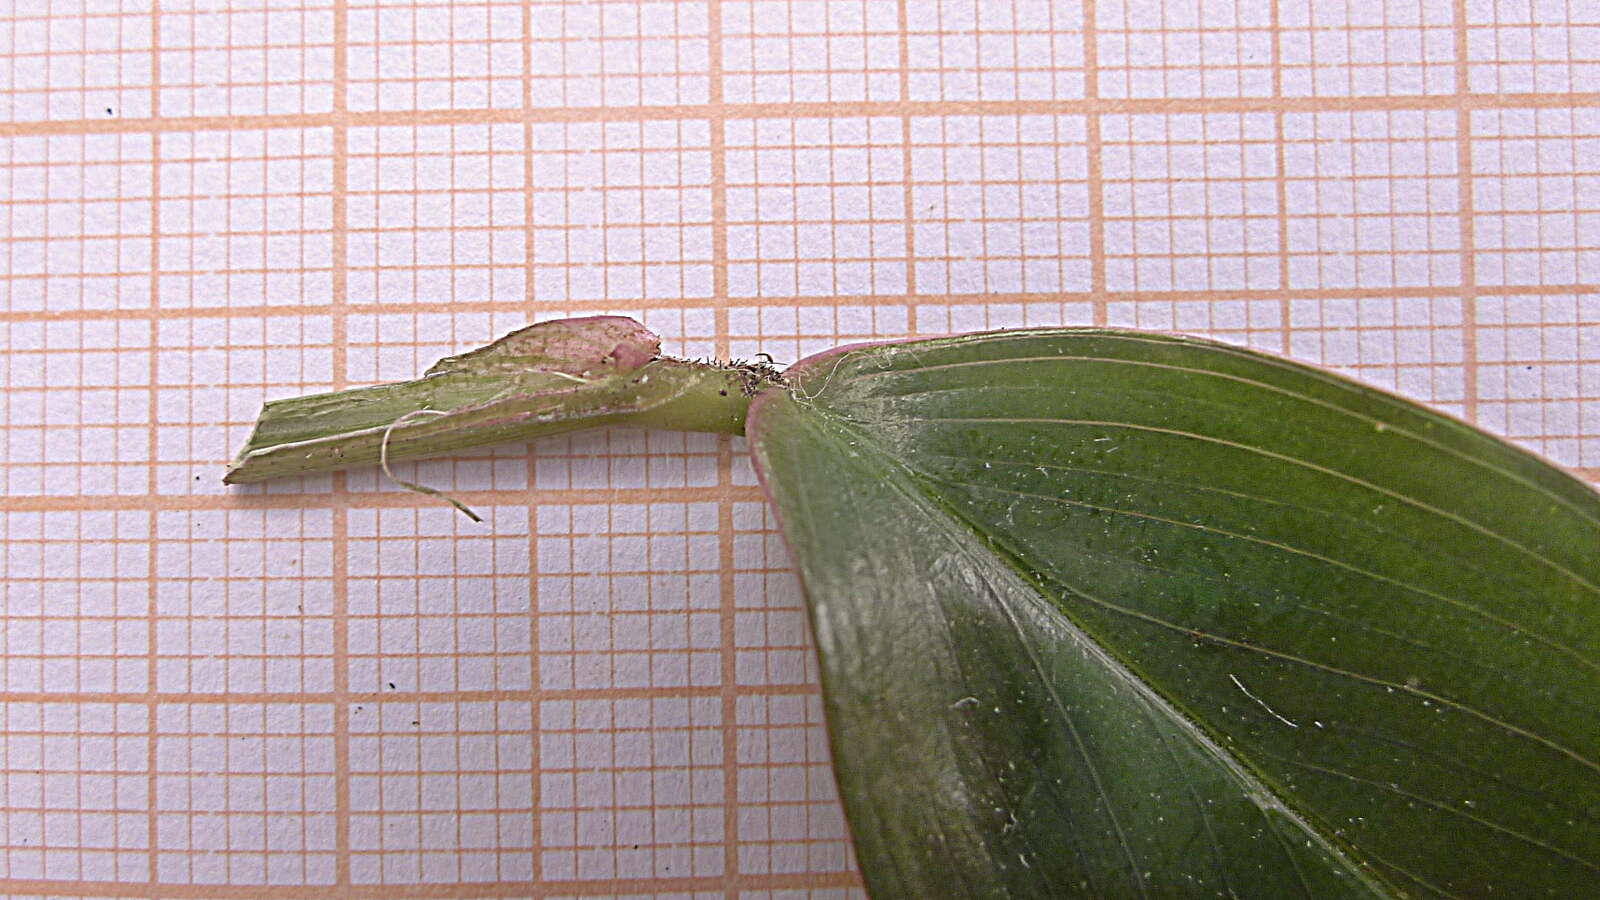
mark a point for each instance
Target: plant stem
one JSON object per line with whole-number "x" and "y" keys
{"x": 554, "y": 377}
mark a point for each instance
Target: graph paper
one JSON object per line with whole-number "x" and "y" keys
{"x": 329, "y": 686}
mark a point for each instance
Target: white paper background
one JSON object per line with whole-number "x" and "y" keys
{"x": 333, "y": 687}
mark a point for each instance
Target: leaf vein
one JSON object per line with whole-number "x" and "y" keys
{"x": 1271, "y": 454}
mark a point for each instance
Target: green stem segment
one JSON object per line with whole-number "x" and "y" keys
{"x": 550, "y": 378}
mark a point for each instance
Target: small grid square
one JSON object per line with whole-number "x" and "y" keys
{"x": 212, "y": 375}
{"x": 1366, "y": 48}
{"x": 415, "y": 54}
{"x": 1373, "y": 199}
{"x": 1190, "y": 202}
{"x": 1525, "y": 46}
{"x": 629, "y": 596}
{"x": 619, "y": 53}
{"x": 244, "y": 601}
{"x": 74, "y": 613}
{"x": 1000, "y": 204}
{"x": 245, "y": 793}
{"x": 75, "y": 414}
{"x": 1538, "y": 373}
{"x": 771, "y": 637}
{"x": 816, "y": 207}
{"x": 69, "y": 60}
{"x": 631, "y": 788}
{"x": 441, "y": 792}
{"x": 1251, "y": 323}
{"x": 810, "y": 51}
{"x": 972, "y": 50}
{"x": 1184, "y": 48}
{"x": 790, "y": 820}
{"x": 252, "y": 58}
{"x": 1414, "y": 346}
{"x": 246, "y": 218}
{"x": 74, "y": 790}
{"x": 436, "y": 603}
{"x": 1536, "y": 195}
{"x": 622, "y": 211}
{"x": 76, "y": 216}
{"x": 436, "y": 213}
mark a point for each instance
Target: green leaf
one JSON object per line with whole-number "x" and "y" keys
{"x": 1113, "y": 614}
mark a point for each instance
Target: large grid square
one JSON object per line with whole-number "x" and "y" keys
{"x": 934, "y": 319}
{"x": 786, "y": 334}
{"x": 245, "y": 793}
{"x": 76, "y": 408}
{"x": 244, "y": 601}
{"x": 631, "y": 788}
{"x": 441, "y": 792}
{"x": 417, "y": 54}
{"x": 1538, "y": 373}
{"x": 437, "y": 603}
{"x": 1536, "y": 195}
{"x": 804, "y": 894}
{"x": 816, "y": 207}
{"x": 1000, "y": 204}
{"x": 622, "y": 211}
{"x": 1524, "y": 46}
{"x": 1190, "y": 202}
{"x": 1415, "y": 346}
{"x": 629, "y": 596}
{"x": 76, "y": 216}
{"x": 771, "y": 637}
{"x": 383, "y": 347}
{"x": 630, "y": 459}
{"x": 74, "y": 791}
{"x": 810, "y": 51}
{"x": 65, "y": 61}
{"x": 74, "y": 613}
{"x": 1373, "y": 199}
{"x": 619, "y": 53}
{"x": 973, "y": 50}
{"x": 790, "y": 820}
{"x": 1366, "y": 48}
{"x": 625, "y": 459}
{"x": 246, "y": 218}
{"x": 1251, "y": 323}
{"x": 436, "y": 213}
{"x": 387, "y": 347}
{"x": 251, "y": 58}
{"x": 1184, "y": 48}
{"x": 212, "y": 375}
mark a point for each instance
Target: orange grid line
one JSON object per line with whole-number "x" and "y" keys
{"x": 1087, "y": 106}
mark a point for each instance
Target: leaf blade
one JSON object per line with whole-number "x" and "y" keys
{"x": 1215, "y": 521}
{"x": 958, "y": 841}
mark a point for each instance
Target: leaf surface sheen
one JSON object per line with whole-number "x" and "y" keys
{"x": 1117, "y": 614}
